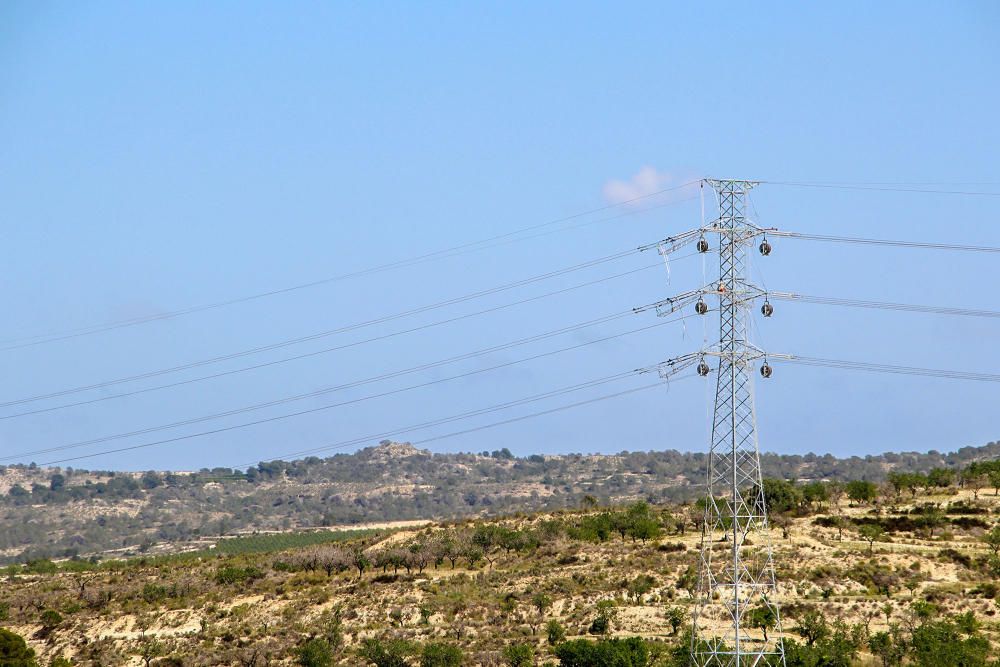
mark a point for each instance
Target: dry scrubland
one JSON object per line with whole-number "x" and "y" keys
{"x": 505, "y": 589}
{"x": 64, "y": 512}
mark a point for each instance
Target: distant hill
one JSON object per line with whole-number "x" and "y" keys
{"x": 53, "y": 512}
{"x": 915, "y": 571}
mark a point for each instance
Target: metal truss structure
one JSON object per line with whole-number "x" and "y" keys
{"x": 737, "y": 621}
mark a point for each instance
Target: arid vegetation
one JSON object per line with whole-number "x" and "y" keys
{"x": 897, "y": 572}
{"x": 61, "y": 513}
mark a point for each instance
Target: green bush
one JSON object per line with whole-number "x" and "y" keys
{"x": 51, "y": 618}
{"x": 943, "y": 643}
{"x": 14, "y": 651}
{"x": 631, "y": 652}
{"x": 438, "y": 654}
{"x": 519, "y": 655}
{"x": 42, "y": 566}
{"x": 386, "y": 653}
{"x": 237, "y": 575}
{"x": 282, "y": 541}
{"x": 314, "y": 653}
{"x": 154, "y": 593}
{"x": 555, "y": 632}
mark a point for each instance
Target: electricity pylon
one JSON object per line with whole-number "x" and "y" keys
{"x": 736, "y": 622}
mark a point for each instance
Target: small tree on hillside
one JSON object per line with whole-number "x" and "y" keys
{"x": 861, "y": 491}
{"x": 941, "y": 477}
{"x": 931, "y": 518}
{"x": 688, "y": 581}
{"x": 607, "y": 614}
{"x": 541, "y": 602}
{"x": 812, "y": 626}
{"x": 871, "y": 532}
{"x": 888, "y": 647}
{"x": 676, "y": 617}
{"x": 149, "y": 650}
{"x": 975, "y": 482}
{"x": 762, "y": 618}
{"x": 816, "y": 493}
{"x": 639, "y": 586}
{"x": 840, "y": 522}
{"x": 784, "y": 522}
{"x": 519, "y": 655}
{"x": 360, "y": 561}
{"x": 992, "y": 540}
{"x": 555, "y": 633}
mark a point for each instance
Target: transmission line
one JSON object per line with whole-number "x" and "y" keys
{"x": 445, "y": 253}
{"x": 353, "y": 344}
{"x": 347, "y": 443}
{"x": 883, "y": 188}
{"x": 408, "y": 429}
{"x": 882, "y": 305}
{"x": 245, "y": 409}
{"x": 887, "y": 368}
{"x": 322, "y": 334}
{"x": 883, "y": 242}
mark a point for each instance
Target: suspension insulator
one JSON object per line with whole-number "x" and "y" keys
{"x": 703, "y": 369}
{"x": 702, "y": 245}
{"x": 701, "y": 307}
{"x": 765, "y": 370}
{"x": 767, "y": 309}
{"x": 765, "y": 248}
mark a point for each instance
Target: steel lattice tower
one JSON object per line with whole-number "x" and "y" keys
{"x": 737, "y": 588}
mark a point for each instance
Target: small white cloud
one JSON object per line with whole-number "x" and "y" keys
{"x": 647, "y": 182}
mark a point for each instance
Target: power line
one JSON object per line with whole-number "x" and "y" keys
{"x": 408, "y": 429}
{"x": 445, "y": 253}
{"x": 884, "y": 242}
{"x": 887, "y": 368}
{"x": 882, "y": 188}
{"x": 882, "y": 305}
{"x": 472, "y": 413}
{"x": 299, "y": 413}
{"x": 322, "y": 334}
{"x": 352, "y": 344}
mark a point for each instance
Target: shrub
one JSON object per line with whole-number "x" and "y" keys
{"x": 154, "y": 593}
{"x": 861, "y": 491}
{"x": 631, "y": 652}
{"x": 599, "y": 626}
{"x": 14, "y": 651}
{"x": 956, "y": 557}
{"x": 606, "y": 616}
{"x": 519, "y": 655}
{"x": 639, "y": 586}
{"x": 391, "y": 653}
{"x": 314, "y": 653}
{"x": 676, "y": 617}
{"x": 437, "y": 654}
{"x": 51, "y": 618}
{"x": 942, "y": 643}
{"x": 555, "y": 632}
{"x": 237, "y": 575}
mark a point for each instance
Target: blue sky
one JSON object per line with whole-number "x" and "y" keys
{"x": 159, "y": 156}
